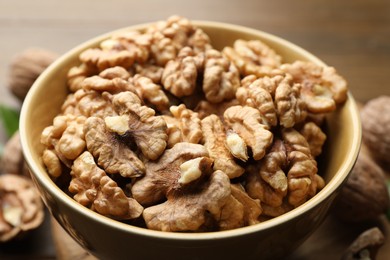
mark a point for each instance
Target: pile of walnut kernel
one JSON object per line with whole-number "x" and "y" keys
{"x": 162, "y": 130}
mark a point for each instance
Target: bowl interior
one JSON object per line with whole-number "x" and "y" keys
{"x": 44, "y": 101}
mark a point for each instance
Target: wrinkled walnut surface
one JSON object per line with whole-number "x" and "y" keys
{"x": 21, "y": 208}
{"x": 164, "y": 131}
{"x": 375, "y": 116}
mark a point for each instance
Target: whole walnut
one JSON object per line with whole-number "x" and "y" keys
{"x": 12, "y": 160}
{"x": 364, "y": 196}
{"x": 25, "y": 68}
{"x": 375, "y": 117}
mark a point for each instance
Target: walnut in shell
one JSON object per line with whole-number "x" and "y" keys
{"x": 375, "y": 117}
{"x": 364, "y": 195}
{"x": 12, "y": 160}
{"x": 25, "y": 68}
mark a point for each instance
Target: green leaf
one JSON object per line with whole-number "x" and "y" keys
{"x": 10, "y": 119}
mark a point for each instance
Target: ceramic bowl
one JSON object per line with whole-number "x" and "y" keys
{"x": 110, "y": 239}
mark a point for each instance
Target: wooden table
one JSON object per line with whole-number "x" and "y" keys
{"x": 351, "y": 35}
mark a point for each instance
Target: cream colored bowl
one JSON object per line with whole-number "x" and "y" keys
{"x": 110, "y": 239}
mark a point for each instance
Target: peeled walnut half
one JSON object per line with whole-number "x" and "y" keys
{"x": 112, "y": 152}
{"x": 314, "y": 136}
{"x": 150, "y": 92}
{"x": 147, "y": 130}
{"x": 21, "y": 208}
{"x": 87, "y": 103}
{"x": 214, "y": 139}
{"x": 189, "y": 206}
{"x": 183, "y": 126}
{"x": 180, "y": 75}
{"x": 253, "y": 57}
{"x": 290, "y": 107}
{"x": 266, "y": 180}
{"x": 221, "y": 78}
{"x": 303, "y": 180}
{"x": 118, "y": 51}
{"x": 95, "y": 190}
{"x": 322, "y": 88}
{"x": 246, "y": 122}
{"x": 65, "y": 138}
{"x": 162, "y": 175}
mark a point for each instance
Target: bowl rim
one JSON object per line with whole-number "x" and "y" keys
{"x": 55, "y": 191}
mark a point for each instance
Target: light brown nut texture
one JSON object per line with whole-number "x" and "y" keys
{"x": 314, "y": 136}
{"x": 66, "y": 136}
{"x": 162, "y": 49}
{"x": 150, "y": 92}
{"x": 236, "y": 146}
{"x": 291, "y": 109}
{"x": 12, "y": 160}
{"x": 302, "y": 168}
{"x": 269, "y": 174}
{"x": 187, "y": 212}
{"x": 98, "y": 59}
{"x": 257, "y": 188}
{"x": 25, "y": 67}
{"x": 205, "y": 108}
{"x": 375, "y": 117}
{"x": 136, "y": 43}
{"x": 199, "y": 41}
{"x": 246, "y": 122}
{"x": 72, "y": 143}
{"x": 100, "y": 84}
{"x": 152, "y": 71}
{"x": 115, "y": 72}
{"x": 182, "y": 33}
{"x": 176, "y": 28}
{"x": 220, "y": 79}
{"x": 147, "y": 129}
{"x": 364, "y": 196}
{"x": 180, "y": 75}
{"x": 173, "y": 131}
{"x": 188, "y": 122}
{"x": 93, "y": 189}
{"x": 322, "y": 87}
{"x": 112, "y": 153}
{"x": 252, "y": 208}
{"x": 87, "y": 103}
{"x": 77, "y": 74}
{"x": 21, "y": 206}
{"x": 253, "y": 57}
{"x": 52, "y": 163}
{"x": 162, "y": 175}
{"x": 165, "y": 172}
{"x": 214, "y": 140}
{"x": 259, "y": 95}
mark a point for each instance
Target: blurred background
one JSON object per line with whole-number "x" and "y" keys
{"x": 351, "y": 35}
